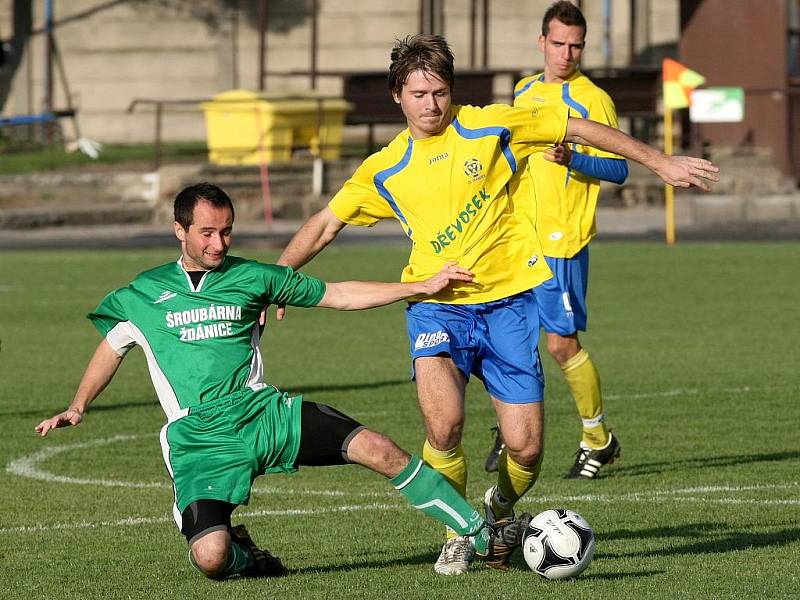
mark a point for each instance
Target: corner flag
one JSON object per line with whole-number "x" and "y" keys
{"x": 678, "y": 83}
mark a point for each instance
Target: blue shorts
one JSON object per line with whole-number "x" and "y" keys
{"x": 496, "y": 341}
{"x": 562, "y": 299}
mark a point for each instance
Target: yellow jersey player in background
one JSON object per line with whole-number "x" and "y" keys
{"x": 444, "y": 178}
{"x": 560, "y": 189}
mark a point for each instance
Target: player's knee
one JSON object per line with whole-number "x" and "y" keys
{"x": 377, "y": 452}
{"x": 562, "y": 348}
{"x": 526, "y": 452}
{"x": 210, "y": 557}
{"x": 445, "y": 435}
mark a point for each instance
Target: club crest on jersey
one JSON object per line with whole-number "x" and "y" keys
{"x": 474, "y": 170}
{"x": 165, "y": 295}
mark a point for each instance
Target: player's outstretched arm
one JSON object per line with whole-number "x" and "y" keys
{"x": 316, "y": 233}
{"x": 357, "y": 295}
{"x": 610, "y": 169}
{"x": 99, "y": 372}
{"x": 680, "y": 171}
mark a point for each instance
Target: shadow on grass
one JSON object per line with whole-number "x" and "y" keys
{"x": 428, "y": 558}
{"x": 620, "y": 576}
{"x": 711, "y": 538}
{"x": 44, "y": 413}
{"x": 713, "y": 462}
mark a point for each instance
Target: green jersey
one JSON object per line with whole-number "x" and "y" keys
{"x": 201, "y": 342}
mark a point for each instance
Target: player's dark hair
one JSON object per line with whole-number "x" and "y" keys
{"x": 420, "y": 52}
{"x": 567, "y": 13}
{"x": 188, "y": 197}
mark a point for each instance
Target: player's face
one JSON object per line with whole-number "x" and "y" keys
{"x": 206, "y": 242}
{"x": 562, "y": 48}
{"x": 425, "y": 100}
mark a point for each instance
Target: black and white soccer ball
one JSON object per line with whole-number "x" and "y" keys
{"x": 558, "y": 544}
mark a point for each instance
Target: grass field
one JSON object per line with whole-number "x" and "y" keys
{"x": 697, "y": 348}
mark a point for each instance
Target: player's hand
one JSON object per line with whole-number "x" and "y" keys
{"x": 280, "y": 312}
{"x": 449, "y": 273}
{"x": 559, "y": 154}
{"x": 687, "y": 171}
{"x": 68, "y": 418}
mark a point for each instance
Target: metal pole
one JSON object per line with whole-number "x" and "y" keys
{"x": 632, "y": 34}
{"x": 607, "y": 32}
{"x": 669, "y": 192}
{"x": 485, "y": 34}
{"x": 262, "y": 43}
{"x": 159, "y": 117}
{"x": 314, "y": 42}
{"x": 235, "y": 44}
{"x": 473, "y": 30}
{"x": 48, "y": 56}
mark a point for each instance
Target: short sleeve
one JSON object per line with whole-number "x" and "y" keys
{"x": 358, "y": 202}
{"x": 109, "y": 313}
{"x": 530, "y": 129}
{"x": 110, "y": 319}
{"x": 287, "y": 286}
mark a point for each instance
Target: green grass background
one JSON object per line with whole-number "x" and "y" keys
{"x": 697, "y": 349}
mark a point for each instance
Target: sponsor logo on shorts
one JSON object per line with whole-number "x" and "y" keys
{"x": 429, "y": 340}
{"x": 165, "y": 295}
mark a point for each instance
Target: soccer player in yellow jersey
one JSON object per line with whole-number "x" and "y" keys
{"x": 445, "y": 179}
{"x": 560, "y": 188}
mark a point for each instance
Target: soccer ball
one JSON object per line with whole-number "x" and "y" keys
{"x": 558, "y": 544}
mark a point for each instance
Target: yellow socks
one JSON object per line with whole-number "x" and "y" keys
{"x": 584, "y": 383}
{"x": 513, "y": 480}
{"x": 452, "y": 464}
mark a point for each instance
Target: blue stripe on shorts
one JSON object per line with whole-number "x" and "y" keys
{"x": 562, "y": 298}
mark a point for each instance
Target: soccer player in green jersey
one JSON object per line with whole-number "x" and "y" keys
{"x": 559, "y": 188}
{"x": 446, "y": 180}
{"x": 196, "y": 321}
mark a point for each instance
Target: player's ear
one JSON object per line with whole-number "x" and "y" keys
{"x": 180, "y": 232}
{"x": 541, "y": 42}
{"x": 396, "y": 97}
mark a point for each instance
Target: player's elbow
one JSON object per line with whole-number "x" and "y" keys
{"x": 336, "y": 298}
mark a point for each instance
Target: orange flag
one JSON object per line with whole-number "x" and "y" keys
{"x": 678, "y": 83}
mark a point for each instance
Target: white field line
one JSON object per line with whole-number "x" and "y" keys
{"x": 136, "y": 521}
{"x": 695, "y": 391}
{"x": 28, "y": 467}
{"x": 354, "y": 508}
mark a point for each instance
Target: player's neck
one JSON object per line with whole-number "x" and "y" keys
{"x": 550, "y": 77}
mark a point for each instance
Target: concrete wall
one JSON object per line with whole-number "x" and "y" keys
{"x": 167, "y": 50}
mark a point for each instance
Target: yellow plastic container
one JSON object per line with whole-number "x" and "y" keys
{"x": 245, "y": 128}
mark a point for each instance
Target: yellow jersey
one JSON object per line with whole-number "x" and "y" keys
{"x": 450, "y": 194}
{"x": 562, "y": 202}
